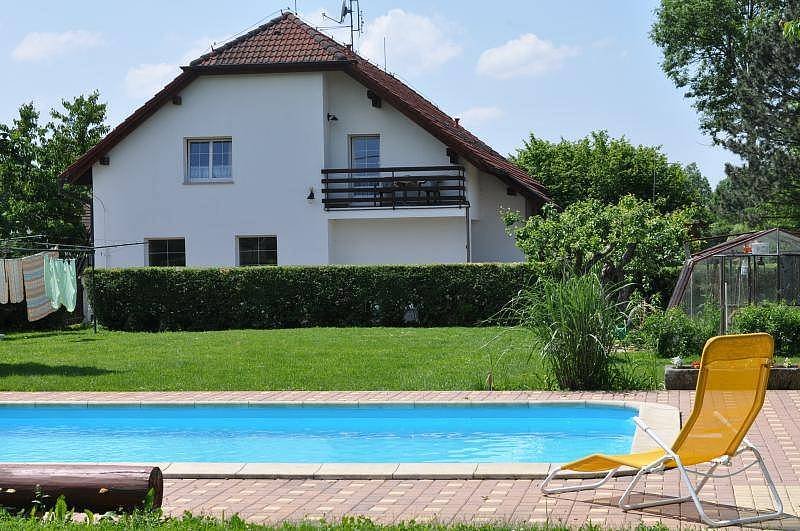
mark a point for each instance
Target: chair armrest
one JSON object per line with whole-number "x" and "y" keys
{"x": 653, "y": 435}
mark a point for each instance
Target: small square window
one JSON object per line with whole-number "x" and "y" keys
{"x": 166, "y": 253}
{"x": 209, "y": 160}
{"x": 258, "y": 250}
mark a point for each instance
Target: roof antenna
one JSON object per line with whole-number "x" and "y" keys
{"x": 356, "y": 23}
{"x": 384, "y": 54}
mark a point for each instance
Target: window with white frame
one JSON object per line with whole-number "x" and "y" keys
{"x": 365, "y": 152}
{"x": 166, "y": 252}
{"x": 209, "y": 160}
{"x": 258, "y": 250}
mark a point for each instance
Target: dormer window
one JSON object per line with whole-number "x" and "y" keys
{"x": 209, "y": 160}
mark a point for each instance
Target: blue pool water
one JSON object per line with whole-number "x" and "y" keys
{"x": 316, "y": 434}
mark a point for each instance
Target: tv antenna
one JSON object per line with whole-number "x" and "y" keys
{"x": 351, "y": 8}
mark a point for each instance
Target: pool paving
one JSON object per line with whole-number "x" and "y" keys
{"x": 775, "y": 432}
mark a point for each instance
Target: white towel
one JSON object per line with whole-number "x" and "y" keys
{"x": 16, "y": 285}
{"x": 3, "y": 283}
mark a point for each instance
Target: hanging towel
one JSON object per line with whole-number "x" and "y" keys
{"x": 33, "y": 272}
{"x": 16, "y": 289}
{"x": 3, "y": 283}
{"x": 70, "y": 294}
{"x": 51, "y": 287}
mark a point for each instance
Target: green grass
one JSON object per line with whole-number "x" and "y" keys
{"x": 302, "y": 359}
{"x": 188, "y": 522}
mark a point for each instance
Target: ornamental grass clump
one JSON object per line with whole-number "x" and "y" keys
{"x": 575, "y": 321}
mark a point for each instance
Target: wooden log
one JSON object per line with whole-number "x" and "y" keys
{"x": 99, "y": 488}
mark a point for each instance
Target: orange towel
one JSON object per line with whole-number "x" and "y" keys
{"x": 35, "y": 297}
{"x": 16, "y": 290}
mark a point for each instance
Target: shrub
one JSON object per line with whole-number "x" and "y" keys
{"x": 777, "y": 319}
{"x": 155, "y": 299}
{"x": 673, "y": 333}
{"x": 575, "y": 320}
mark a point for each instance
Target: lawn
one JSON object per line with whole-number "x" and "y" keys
{"x": 302, "y": 359}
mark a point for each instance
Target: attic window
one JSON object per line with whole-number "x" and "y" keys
{"x": 209, "y": 160}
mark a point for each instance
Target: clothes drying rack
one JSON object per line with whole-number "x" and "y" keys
{"x": 84, "y": 254}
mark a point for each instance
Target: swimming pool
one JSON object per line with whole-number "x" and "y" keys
{"x": 430, "y": 433}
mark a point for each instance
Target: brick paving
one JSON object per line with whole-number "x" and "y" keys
{"x": 776, "y": 432}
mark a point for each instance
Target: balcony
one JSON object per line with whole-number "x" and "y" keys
{"x": 393, "y": 187}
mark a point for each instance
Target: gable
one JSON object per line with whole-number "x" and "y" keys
{"x": 287, "y": 44}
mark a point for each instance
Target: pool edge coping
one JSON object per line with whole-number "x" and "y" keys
{"x": 665, "y": 419}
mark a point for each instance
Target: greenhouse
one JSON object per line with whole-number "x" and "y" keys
{"x": 747, "y": 269}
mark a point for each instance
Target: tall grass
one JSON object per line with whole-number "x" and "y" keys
{"x": 575, "y": 320}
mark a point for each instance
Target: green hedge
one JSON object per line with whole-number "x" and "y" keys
{"x": 155, "y": 299}
{"x": 779, "y": 320}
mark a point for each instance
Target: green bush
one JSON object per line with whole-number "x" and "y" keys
{"x": 673, "y": 333}
{"x": 779, "y": 320}
{"x": 156, "y": 299}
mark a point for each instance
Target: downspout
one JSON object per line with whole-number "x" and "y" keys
{"x": 469, "y": 234}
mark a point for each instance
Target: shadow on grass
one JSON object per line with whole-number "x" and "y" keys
{"x": 29, "y": 336}
{"x": 39, "y": 369}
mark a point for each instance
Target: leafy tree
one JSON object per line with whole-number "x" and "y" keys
{"x": 603, "y": 168}
{"x": 630, "y": 242}
{"x": 739, "y": 62}
{"x": 32, "y": 155}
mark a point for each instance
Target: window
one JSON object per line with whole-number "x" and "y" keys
{"x": 258, "y": 250}
{"x": 365, "y": 152}
{"x": 167, "y": 252}
{"x": 209, "y": 160}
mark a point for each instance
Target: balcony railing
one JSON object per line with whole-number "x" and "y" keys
{"x": 393, "y": 187}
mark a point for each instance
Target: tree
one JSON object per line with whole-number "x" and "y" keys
{"x": 603, "y": 168}
{"x": 32, "y": 155}
{"x": 630, "y": 241}
{"x": 739, "y": 63}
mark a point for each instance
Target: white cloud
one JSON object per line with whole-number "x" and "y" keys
{"x": 414, "y": 43}
{"x": 527, "y": 55}
{"x": 37, "y": 46}
{"x": 145, "y": 80}
{"x": 199, "y": 47}
{"x": 475, "y": 116}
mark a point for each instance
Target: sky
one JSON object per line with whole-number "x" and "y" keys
{"x": 507, "y": 69}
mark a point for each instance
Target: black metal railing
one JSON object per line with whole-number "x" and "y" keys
{"x": 393, "y": 187}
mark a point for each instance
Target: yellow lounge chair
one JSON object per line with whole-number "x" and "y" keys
{"x": 730, "y": 392}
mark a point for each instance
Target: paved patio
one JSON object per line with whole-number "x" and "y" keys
{"x": 776, "y": 432}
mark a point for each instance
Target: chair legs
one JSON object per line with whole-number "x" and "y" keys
{"x": 694, "y": 489}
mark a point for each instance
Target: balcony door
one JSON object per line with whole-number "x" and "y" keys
{"x": 365, "y": 153}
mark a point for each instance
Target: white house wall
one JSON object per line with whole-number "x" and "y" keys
{"x": 403, "y": 142}
{"x": 490, "y": 243}
{"x": 391, "y": 241}
{"x": 281, "y": 141}
{"x": 276, "y": 123}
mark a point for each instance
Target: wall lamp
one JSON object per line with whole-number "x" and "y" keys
{"x": 310, "y": 196}
{"x": 332, "y": 118}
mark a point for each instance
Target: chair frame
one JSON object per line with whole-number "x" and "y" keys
{"x": 694, "y": 489}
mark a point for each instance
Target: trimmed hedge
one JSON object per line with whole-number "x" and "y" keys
{"x": 779, "y": 320}
{"x": 156, "y": 299}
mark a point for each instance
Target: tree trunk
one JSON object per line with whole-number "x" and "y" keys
{"x": 99, "y": 488}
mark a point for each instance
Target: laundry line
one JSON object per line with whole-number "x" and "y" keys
{"x": 85, "y": 253}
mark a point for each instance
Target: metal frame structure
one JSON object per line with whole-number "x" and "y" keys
{"x": 659, "y": 466}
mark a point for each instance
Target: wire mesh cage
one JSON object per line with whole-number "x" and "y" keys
{"x": 748, "y": 269}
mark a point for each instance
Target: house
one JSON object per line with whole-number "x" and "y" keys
{"x": 286, "y": 147}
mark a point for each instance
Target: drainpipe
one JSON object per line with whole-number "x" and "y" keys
{"x": 469, "y": 234}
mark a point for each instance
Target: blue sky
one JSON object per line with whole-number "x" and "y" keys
{"x": 558, "y": 69}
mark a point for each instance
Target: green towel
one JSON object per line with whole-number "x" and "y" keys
{"x": 70, "y": 293}
{"x": 51, "y": 286}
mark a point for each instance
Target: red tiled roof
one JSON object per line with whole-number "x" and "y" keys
{"x": 287, "y": 42}
{"x": 285, "y": 39}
